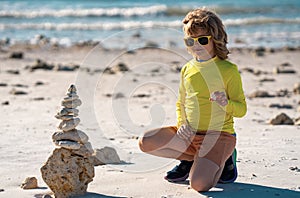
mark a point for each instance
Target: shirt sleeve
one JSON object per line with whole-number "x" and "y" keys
{"x": 180, "y": 108}
{"x": 236, "y": 106}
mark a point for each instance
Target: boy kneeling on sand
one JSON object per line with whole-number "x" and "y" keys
{"x": 210, "y": 95}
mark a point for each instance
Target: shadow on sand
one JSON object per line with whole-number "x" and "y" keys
{"x": 86, "y": 195}
{"x": 237, "y": 190}
{"x": 96, "y": 195}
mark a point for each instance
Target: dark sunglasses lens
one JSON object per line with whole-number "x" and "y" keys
{"x": 189, "y": 42}
{"x": 203, "y": 40}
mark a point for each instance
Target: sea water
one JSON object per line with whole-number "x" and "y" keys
{"x": 270, "y": 23}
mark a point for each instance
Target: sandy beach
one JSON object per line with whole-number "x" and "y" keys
{"x": 120, "y": 104}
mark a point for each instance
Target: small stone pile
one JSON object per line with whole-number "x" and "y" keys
{"x": 70, "y": 168}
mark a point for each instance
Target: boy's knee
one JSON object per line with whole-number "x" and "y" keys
{"x": 143, "y": 144}
{"x": 201, "y": 185}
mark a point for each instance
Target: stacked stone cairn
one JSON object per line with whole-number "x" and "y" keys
{"x": 70, "y": 167}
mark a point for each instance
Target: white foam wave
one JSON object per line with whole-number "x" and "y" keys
{"x": 96, "y": 12}
{"x": 93, "y": 26}
{"x": 258, "y": 21}
{"x": 136, "y": 24}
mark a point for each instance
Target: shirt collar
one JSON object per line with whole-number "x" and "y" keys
{"x": 203, "y": 63}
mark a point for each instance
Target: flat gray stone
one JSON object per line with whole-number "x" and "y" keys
{"x": 73, "y": 135}
{"x": 67, "y": 144}
{"x": 68, "y": 125}
{"x": 71, "y": 104}
{"x": 67, "y": 111}
{"x": 84, "y": 150}
{"x": 71, "y": 98}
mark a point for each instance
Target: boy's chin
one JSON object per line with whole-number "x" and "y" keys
{"x": 201, "y": 56}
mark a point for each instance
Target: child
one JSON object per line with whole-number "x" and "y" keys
{"x": 210, "y": 95}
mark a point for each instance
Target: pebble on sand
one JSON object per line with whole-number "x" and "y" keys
{"x": 260, "y": 94}
{"x": 120, "y": 67}
{"x": 71, "y": 67}
{"x": 16, "y": 55}
{"x": 20, "y": 85}
{"x": 17, "y": 92}
{"x": 297, "y": 121}
{"x": 260, "y": 51}
{"x": 39, "y": 98}
{"x": 282, "y": 119}
{"x": 296, "y": 89}
{"x": 279, "y": 106}
{"x": 255, "y": 72}
{"x": 281, "y": 70}
{"x": 106, "y": 155}
{"x": 267, "y": 80}
{"x": 14, "y": 72}
{"x": 3, "y": 85}
{"x": 29, "y": 183}
{"x": 42, "y": 65}
{"x": 38, "y": 83}
{"x": 294, "y": 168}
{"x": 5, "y": 103}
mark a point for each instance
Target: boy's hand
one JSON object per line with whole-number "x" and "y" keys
{"x": 219, "y": 97}
{"x": 185, "y": 132}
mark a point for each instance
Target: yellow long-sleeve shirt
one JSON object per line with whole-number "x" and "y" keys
{"x": 198, "y": 81}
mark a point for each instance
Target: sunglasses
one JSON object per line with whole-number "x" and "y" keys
{"x": 203, "y": 40}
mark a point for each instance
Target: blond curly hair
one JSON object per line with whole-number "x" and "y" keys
{"x": 204, "y": 19}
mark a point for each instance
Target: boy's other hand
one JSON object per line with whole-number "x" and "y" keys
{"x": 185, "y": 132}
{"x": 219, "y": 97}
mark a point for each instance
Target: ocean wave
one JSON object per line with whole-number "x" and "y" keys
{"x": 182, "y": 11}
{"x": 160, "y": 9}
{"x": 242, "y": 10}
{"x": 92, "y": 26}
{"x": 259, "y": 21}
{"x": 138, "y": 24}
{"x": 96, "y": 12}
